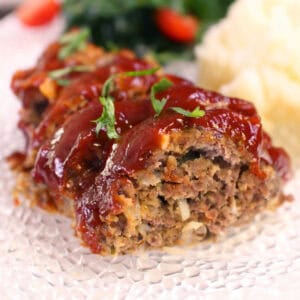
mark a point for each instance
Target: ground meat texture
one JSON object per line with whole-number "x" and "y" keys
{"x": 195, "y": 185}
{"x": 167, "y": 180}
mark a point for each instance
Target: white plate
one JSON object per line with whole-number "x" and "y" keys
{"x": 41, "y": 259}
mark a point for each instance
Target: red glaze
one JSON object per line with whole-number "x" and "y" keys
{"x": 86, "y": 87}
{"x": 137, "y": 144}
{"x": 75, "y": 151}
{"x": 25, "y": 84}
{"x": 72, "y": 159}
{"x": 233, "y": 118}
{"x": 76, "y": 147}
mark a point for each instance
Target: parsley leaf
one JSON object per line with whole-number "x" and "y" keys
{"x": 141, "y": 72}
{"x": 58, "y": 74}
{"x": 108, "y": 85}
{"x": 73, "y": 42}
{"x": 196, "y": 113}
{"x": 107, "y": 119}
{"x": 160, "y": 86}
{"x": 63, "y": 82}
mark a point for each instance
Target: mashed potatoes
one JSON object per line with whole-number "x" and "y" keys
{"x": 254, "y": 54}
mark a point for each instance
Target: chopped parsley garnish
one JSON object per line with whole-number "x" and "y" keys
{"x": 58, "y": 74}
{"x": 196, "y": 113}
{"x": 158, "y": 105}
{"x": 73, "y": 42}
{"x": 141, "y": 72}
{"x": 107, "y": 119}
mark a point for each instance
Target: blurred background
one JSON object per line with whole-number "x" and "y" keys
{"x": 7, "y": 6}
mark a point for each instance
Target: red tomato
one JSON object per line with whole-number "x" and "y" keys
{"x": 38, "y": 12}
{"x": 177, "y": 27}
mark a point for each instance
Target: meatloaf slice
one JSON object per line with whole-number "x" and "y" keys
{"x": 192, "y": 184}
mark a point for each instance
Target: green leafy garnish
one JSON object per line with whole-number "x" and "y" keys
{"x": 158, "y": 105}
{"x": 141, "y": 72}
{"x": 73, "y": 42}
{"x": 160, "y": 86}
{"x": 107, "y": 119}
{"x": 58, "y": 74}
{"x": 196, "y": 113}
{"x": 108, "y": 85}
{"x": 63, "y": 82}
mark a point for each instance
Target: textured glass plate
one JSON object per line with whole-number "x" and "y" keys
{"x": 41, "y": 259}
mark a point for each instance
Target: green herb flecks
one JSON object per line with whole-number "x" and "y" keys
{"x": 196, "y": 113}
{"x": 158, "y": 105}
{"x": 59, "y": 74}
{"x": 141, "y": 72}
{"x": 107, "y": 119}
{"x": 63, "y": 82}
{"x": 73, "y": 42}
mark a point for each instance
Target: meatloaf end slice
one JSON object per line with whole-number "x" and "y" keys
{"x": 194, "y": 185}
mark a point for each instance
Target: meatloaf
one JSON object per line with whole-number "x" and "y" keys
{"x": 168, "y": 179}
